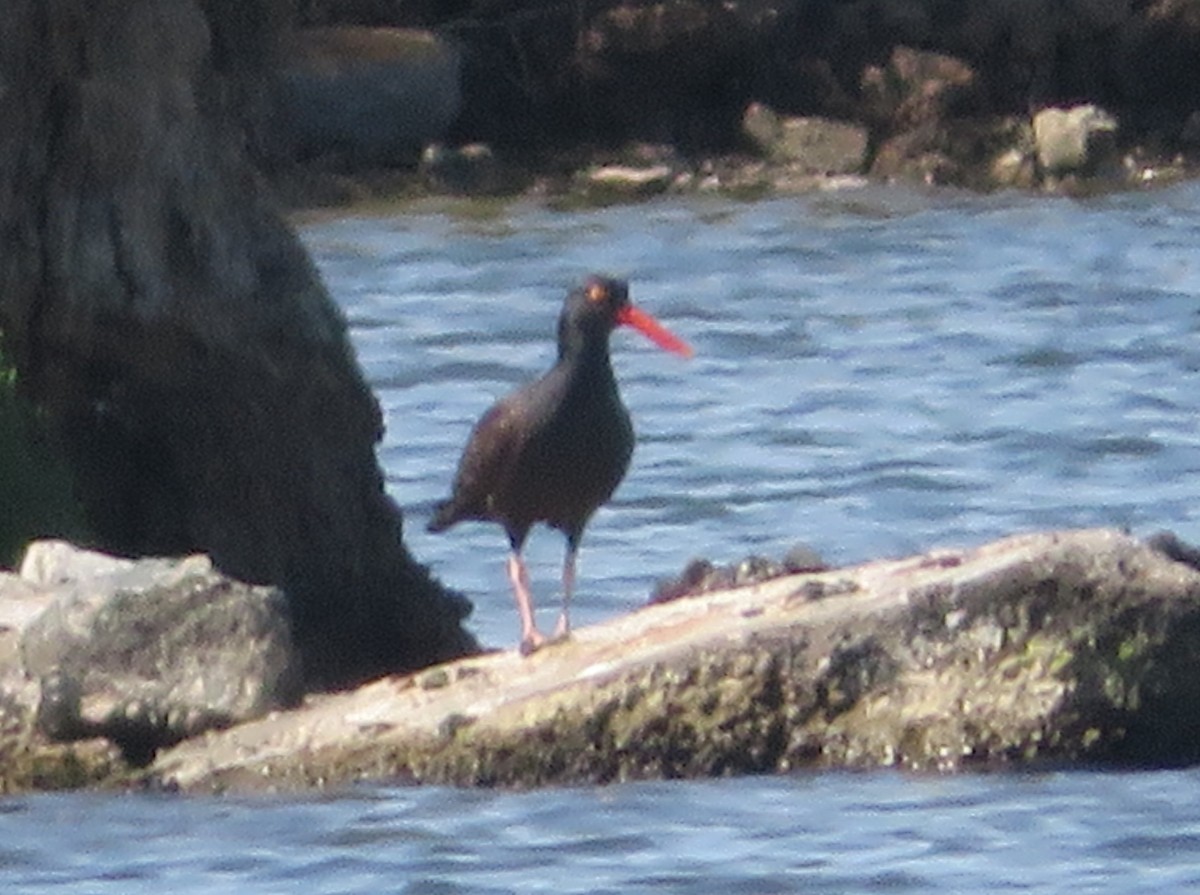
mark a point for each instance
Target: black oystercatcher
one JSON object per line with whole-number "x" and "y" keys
{"x": 555, "y": 450}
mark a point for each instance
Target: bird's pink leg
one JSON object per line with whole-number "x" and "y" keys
{"x": 531, "y": 637}
{"x": 563, "y": 629}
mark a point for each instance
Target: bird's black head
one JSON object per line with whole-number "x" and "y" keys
{"x": 592, "y": 311}
{"x": 595, "y": 308}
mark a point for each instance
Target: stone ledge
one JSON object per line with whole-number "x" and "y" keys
{"x": 1076, "y": 646}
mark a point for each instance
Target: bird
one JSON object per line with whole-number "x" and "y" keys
{"x": 554, "y": 450}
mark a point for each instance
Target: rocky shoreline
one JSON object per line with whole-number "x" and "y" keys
{"x": 1071, "y": 647}
{"x": 616, "y": 101}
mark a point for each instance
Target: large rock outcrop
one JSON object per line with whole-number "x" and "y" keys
{"x": 1054, "y": 647}
{"x": 177, "y": 338}
{"x": 1059, "y": 647}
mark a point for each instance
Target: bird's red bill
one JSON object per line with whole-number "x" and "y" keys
{"x": 653, "y": 330}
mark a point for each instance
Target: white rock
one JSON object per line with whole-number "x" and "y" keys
{"x": 1078, "y": 139}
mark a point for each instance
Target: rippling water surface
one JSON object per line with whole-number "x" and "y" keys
{"x": 876, "y": 373}
{"x": 830, "y": 833}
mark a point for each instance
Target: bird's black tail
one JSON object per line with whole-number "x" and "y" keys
{"x": 443, "y": 517}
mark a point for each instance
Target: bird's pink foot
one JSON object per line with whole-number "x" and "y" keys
{"x": 563, "y": 629}
{"x": 532, "y": 641}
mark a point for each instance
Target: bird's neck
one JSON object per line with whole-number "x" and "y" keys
{"x": 587, "y": 363}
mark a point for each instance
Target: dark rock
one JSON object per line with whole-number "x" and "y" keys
{"x": 979, "y": 153}
{"x": 471, "y": 170}
{"x": 1189, "y": 134}
{"x": 1151, "y": 65}
{"x": 701, "y": 576}
{"x": 609, "y": 73}
{"x": 917, "y": 88}
{"x": 801, "y": 558}
{"x": 357, "y": 96}
{"x": 694, "y": 578}
{"x": 1171, "y": 546}
{"x": 404, "y": 13}
{"x": 542, "y": 82}
{"x": 177, "y": 338}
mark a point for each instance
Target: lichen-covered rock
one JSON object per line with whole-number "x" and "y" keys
{"x": 1063, "y": 647}
{"x": 810, "y": 145}
{"x": 147, "y": 653}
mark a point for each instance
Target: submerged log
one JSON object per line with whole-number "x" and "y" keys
{"x": 1074, "y": 646}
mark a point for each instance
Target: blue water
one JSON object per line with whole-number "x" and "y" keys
{"x": 876, "y": 372}
{"x": 828, "y": 833}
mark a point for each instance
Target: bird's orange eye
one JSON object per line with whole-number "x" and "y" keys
{"x": 597, "y": 292}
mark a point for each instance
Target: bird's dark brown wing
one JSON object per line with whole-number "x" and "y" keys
{"x": 489, "y": 457}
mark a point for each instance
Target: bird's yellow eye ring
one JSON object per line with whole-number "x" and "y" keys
{"x": 597, "y": 292}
